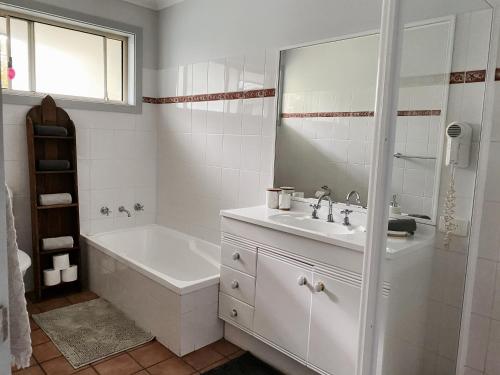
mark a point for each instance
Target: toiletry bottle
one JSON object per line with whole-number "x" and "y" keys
{"x": 285, "y": 198}
{"x": 394, "y": 207}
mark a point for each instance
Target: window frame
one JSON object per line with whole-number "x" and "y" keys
{"x": 32, "y": 20}
{"x": 129, "y": 35}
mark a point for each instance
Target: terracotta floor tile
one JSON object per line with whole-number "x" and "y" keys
{"x": 39, "y": 337}
{"x": 151, "y": 354}
{"x": 33, "y": 325}
{"x": 142, "y": 372}
{"x": 58, "y": 366}
{"x": 88, "y": 371}
{"x": 214, "y": 365}
{"x": 121, "y": 365}
{"x": 202, "y": 358}
{"x": 35, "y": 370}
{"x": 106, "y": 359}
{"x": 239, "y": 353}
{"x": 224, "y": 347}
{"x": 51, "y": 304}
{"x": 45, "y": 352}
{"x": 82, "y": 297}
{"x": 172, "y": 366}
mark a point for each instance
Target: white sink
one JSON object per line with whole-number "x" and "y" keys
{"x": 306, "y": 222}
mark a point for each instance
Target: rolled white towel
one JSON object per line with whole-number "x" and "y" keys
{"x": 52, "y": 199}
{"x": 54, "y": 243}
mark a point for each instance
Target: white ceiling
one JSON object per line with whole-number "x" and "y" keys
{"x": 154, "y": 4}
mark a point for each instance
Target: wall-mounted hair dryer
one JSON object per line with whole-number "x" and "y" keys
{"x": 459, "y": 140}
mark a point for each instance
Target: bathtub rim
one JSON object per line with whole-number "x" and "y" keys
{"x": 164, "y": 280}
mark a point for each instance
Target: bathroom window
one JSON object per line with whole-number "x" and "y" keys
{"x": 67, "y": 60}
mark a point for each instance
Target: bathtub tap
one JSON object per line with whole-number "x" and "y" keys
{"x": 123, "y": 209}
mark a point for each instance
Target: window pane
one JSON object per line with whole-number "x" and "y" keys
{"x": 3, "y": 52}
{"x": 20, "y": 54}
{"x": 114, "y": 69}
{"x": 69, "y": 62}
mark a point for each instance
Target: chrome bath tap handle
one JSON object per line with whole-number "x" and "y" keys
{"x": 138, "y": 207}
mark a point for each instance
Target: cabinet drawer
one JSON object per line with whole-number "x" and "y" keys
{"x": 240, "y": 259}
{"x": 232, "y": 310}
{"x": 237, "y": 284}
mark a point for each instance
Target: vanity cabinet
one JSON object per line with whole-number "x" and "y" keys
{"x": 283, "y": 302}
{"x": 333, "y": 335}
{"x": 304, "y": 307}
{"x": 299, "y": 292}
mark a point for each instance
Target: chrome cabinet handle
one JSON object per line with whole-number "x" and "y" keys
{"x": 319, "y": 287}
{"x": 302, "y": 280}
{"x": 235, "y": 284}
{"x": 234, "y": 313}
{"x": 236, "y": 256}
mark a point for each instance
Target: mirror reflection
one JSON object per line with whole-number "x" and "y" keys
{"x": 325, "y": 127}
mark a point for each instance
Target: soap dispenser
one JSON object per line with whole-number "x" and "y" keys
{"x": 394, "y": 207}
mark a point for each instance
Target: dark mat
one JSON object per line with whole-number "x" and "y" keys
{"x": 246, "y": 364}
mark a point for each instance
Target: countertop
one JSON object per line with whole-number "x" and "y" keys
{"x": 260, "y": 215}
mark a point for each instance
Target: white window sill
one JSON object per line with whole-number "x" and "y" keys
{"x": 30, "y": 98}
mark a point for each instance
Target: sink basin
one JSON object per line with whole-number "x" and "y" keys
{"x": 306, "y": 222}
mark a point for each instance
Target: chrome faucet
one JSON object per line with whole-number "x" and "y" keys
{"x": 317, "y": 206}
{"x": 123, "y": 209}
{"x": 354, "y": 194}
{"x": 139, "y": 207}
{"x": 346, "y": 212}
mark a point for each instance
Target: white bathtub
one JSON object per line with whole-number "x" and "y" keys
{"x": 165, "y": 280}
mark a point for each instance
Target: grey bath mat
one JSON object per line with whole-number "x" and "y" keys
{"x": 90, "y": 331}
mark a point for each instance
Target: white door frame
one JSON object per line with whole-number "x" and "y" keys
{"x": 386, "y": 101}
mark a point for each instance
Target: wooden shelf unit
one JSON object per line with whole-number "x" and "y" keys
{"x": 54, "y": 220}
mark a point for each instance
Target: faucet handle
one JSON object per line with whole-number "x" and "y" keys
{"x": 138, "y": 207}
{"x": 346, "y": 212}
{"x": 315, "y": 207}
{"x": 105, "y": 210}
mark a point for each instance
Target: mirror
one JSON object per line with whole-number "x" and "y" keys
{"x": 326, "y": 104}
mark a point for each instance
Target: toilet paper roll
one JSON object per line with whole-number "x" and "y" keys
{"x": 69, "y": 274}
{"x": 60, "y": 262}
{"x": 51, "y": 277}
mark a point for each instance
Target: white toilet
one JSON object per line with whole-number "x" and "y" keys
{"x": 24, "y": 261}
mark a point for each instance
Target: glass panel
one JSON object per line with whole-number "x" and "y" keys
{"x": 20, "y": 54}
{"x": 442, "y": 80}
{"x": 3, "y": 52}
{"x": 69, "y": 62}
{"x": 115, "y": 69}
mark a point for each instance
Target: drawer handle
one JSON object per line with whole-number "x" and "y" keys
{"x": 234, "y": 313}
{"x": 302, "y": 280}
{"x": 236, "y": 256}
{"x": 235, "y": 284}
{"x": 319, "y": 287}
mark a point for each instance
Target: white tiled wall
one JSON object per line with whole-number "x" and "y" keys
{"x": 116, "y": 166}
{"x": 219, "y": 154}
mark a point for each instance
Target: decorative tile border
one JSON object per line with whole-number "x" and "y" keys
{"x": 471, "y": 76}
{"x": 235, "y": 95}
{"x": 420, "y": 112}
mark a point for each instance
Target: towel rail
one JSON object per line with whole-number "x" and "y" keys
{"x": 399, "y": 155}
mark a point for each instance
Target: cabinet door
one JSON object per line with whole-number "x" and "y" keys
{"x": 282, "y": 303}
{"x": 333, "y": 340}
